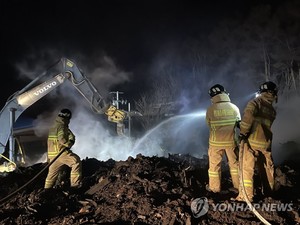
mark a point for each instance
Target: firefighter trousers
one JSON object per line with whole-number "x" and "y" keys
{"x": 264, "y": 162}
{"x": 70, "y": 159}
{"x": 215, "y": 156}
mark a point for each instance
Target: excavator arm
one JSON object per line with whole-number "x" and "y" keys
{"x": 26, "y": 97}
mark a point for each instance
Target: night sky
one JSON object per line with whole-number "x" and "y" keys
{"x": 131, "y": 33}
{"x": 130, "y": 45}
{"x": 127, "y": 45}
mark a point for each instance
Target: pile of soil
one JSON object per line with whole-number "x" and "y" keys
{"x": 141, "y": 190}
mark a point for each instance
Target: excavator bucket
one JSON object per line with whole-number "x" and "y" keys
{"x": 115, "y": 115}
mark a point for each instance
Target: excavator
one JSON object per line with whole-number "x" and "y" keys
{"x": 37, "y": 89}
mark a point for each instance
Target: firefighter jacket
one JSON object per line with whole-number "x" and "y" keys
{"x": 257, "y": 120}
{"x": 60, "y": 137}
{"x": 222, "y": 118}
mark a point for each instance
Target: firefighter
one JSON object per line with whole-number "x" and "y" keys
{"x": 61, "y": 138}
{"x": 255, "y": 131}
{"x": 222, "y": 118}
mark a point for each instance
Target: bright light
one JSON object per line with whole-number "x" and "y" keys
{"x": 257, "y": 94}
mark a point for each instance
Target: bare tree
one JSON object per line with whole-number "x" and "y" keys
{"x": 287, "y": 68}
{"x": 159, "y": 102}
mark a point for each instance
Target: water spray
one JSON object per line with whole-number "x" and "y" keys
{"x": 192, "y": 115}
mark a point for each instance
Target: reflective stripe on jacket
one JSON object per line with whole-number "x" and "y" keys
{"x": 59, "y": 137}
{"x": 222, "y": 117}
{"x": 257, "y": 120}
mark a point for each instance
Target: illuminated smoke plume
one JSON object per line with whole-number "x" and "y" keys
{"x": 94, "y": 140}
{"x": 100, "y": 69}
{"x": 180, "y": 134}
{"x": 106, "y": 74}
{"x": 286, "y": 136}
{"x": 183, "y": 134}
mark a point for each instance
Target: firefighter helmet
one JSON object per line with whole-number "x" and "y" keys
{"x": 216, "y": 89}
{"x": 268, "y": 86}
{"x": 65, "y": 113}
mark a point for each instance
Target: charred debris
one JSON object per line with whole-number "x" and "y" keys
{"x": 141, "y": 190}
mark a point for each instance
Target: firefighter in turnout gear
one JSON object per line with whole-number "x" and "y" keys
{"x": 222, "y": 118}
{"x": 255, "y": 132}
{"x": 61, "y": 138}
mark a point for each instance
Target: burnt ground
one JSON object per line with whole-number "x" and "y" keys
{"x": 140, "y": 190}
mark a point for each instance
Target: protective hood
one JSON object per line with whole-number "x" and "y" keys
{"x": 220, "y": 98}
{"x": 62, "y": 120}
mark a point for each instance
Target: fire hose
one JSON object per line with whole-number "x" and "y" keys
{"x": 245, "y": 196}
{"x": 2, "y": 201}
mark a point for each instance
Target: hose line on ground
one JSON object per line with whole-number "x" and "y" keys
{"x": 245, "y": 196}
{"x": 2, "y": 201}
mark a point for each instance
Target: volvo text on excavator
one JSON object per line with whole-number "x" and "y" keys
{"x": 30, "y": 94}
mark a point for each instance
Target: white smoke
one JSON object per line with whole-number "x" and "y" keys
{"x": 286, "y": 129}
{"x": 94, "y": 140}
{"x": 183, "y": 134}
{"x": 287, "y": 123}
{"x": 106, "y": 74}
{"x": 101, "y": 70}
{"x": 36, "y": 63}
{"x": 179, "y": 134}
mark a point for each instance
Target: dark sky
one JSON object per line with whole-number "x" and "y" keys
{"x": 123, "y": 38}
{"x": 132, "y": 33}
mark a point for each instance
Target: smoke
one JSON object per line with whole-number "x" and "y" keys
{"x": 286, "y": 136}
{"x": 185, "y": 134}
{"x": 94, "y": 137}
{"x": 177, "y": 135}
{"x": 107, "y": 75}
{"x": 101, "y": 69}
{"x": 94, "y": 140}
{"x": 240, "y": 83}
{"x": 36, "y": 63}
{"x": 286, "y": 126}
{"x": 182, "y": 134}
